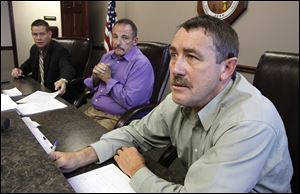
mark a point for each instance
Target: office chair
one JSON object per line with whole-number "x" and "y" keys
{"x": 277, "y": 77}
{"x": 80, "y": 50}
{"x": 158, "y": 54}
{"x": 54, "y": 30}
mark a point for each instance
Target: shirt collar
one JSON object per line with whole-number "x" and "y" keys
{"x": 190, "y": 115}
{"x": 127, "y": 55}
{"x": 46, "y": 48}
{"x": 209, "y": 112}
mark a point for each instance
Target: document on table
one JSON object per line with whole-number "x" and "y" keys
{"x": 107, "y": 179}
{"x": 7, "y": 103}
{"x": 38, "y": 97}
{"x": 33, "y": 108}
{"x": 44, "y": 142}
{"x": 12, "y": 92}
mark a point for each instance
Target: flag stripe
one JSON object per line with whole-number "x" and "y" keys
{"x": 111, "y": 18}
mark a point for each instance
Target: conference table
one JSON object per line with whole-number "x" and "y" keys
{"x": 25, "y": 166}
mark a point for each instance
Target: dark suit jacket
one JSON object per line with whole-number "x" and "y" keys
{"x": 56, "y": 64}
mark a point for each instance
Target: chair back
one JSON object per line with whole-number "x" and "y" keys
{"x": 158, "y": 55}
{"x": 96, "y": 55}
{"x": 80, "y": 50}
{"x": 54, "y": 30}
{"x": 277, "y": 77}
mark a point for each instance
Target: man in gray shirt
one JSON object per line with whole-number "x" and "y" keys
{"x": 228, "y": 136}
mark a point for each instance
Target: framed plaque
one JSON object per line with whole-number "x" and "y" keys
{"x": 224, "y": 10}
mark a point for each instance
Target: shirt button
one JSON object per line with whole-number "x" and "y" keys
{"x": 101, "y": 90}
{"x": 118, "y": 61}
{"x": 196, "y": 150}
{"x": 96, "y": 100}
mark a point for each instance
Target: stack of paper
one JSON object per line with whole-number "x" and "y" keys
{"x": 7, "y": 103}
{"x": 38, "y": 97}
{"x": 39, "y": 102}
{"x": 12, "y": 92}
{"x": 107, "y": 179}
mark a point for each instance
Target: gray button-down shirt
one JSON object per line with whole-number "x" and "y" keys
{"x": 236, "y": 143}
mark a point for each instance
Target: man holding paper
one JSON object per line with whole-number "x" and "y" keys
{"x": 49, "y": 62}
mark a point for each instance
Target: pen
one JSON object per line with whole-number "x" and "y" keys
{"x": 54, "y": 146}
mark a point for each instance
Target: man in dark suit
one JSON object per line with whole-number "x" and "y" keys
{"x": 49, "y": 62}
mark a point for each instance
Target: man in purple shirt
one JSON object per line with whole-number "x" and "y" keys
{"x": 122, "y": 79}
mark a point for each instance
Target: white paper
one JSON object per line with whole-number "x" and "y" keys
{"x": 44, "y": 142}
{"x": 7, "y": 103}
{"x": 12, "y": 92}
{"x": 38, "y": 97}
{"x": 107, "y": 179}
{"x": 33, "y": 108}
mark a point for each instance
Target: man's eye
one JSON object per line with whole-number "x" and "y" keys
{"x": 192, "y": 57}
{"x": 173, "y": 54}
{"x": 125, "y": 38}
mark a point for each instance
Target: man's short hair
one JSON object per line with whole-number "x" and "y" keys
{"x": 40, "y": 22}
{"x": 225, "y": 39}
{"x": 128, "y": 22}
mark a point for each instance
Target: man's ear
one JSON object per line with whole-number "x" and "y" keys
{"x": 50, "y": 33}
{"x": 228, "y": 68}
{"x": 135, "y": 41}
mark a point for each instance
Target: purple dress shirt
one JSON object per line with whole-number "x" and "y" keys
{"x": 131, "y": 83}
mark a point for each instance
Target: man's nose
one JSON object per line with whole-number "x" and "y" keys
{"x": 179, "y": 66}
{"x": 118, "y": 41}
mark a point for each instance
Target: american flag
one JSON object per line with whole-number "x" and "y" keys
{"x": 110, "y": 21}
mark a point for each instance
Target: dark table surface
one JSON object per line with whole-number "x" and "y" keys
{"x": 25, "y": 166}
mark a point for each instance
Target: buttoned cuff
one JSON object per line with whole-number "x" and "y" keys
{"x": 110, "y": 84}
{"x": 103, "y": 150}
{"x": 138, "y": 180}
{"x": 65, "y": 80}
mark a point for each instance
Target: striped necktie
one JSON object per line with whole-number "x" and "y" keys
{"x": 41, "y": 66}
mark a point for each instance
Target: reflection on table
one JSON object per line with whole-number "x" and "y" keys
{"x": 25, "y": 167}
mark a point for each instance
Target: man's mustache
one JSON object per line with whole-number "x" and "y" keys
{"x": 180, "y": 81}
{"x": 118, "y": 47}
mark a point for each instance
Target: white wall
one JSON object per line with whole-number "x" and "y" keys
{"x": 157, "y": 20}
{"x": 267, "y": 26}
{"x": 5, "y": 25}
{"x": 25, "y": 12}
{"x": 263, "y": 26}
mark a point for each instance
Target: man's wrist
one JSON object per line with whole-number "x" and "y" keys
{"x": 63, "y": 79}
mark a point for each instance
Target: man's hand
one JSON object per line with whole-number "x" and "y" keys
{"x": 66, "y": 161}
{"x": 61, "y": 85}
{"x": 102, "y": 72}
{"x": 16, "y": 72}
{"x": 70, "y": 161}
{"x": 129, "y": 160}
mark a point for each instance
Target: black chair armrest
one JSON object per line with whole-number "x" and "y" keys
{"x": 168, "y": 156}
{"x": 76, "y": 81}
{"x": 134, "y": 113}
{"x": 74, "y": 88}
{"x": 82, "y": 99}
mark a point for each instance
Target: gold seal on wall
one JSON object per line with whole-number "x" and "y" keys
{"x": 224, "y": 10}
